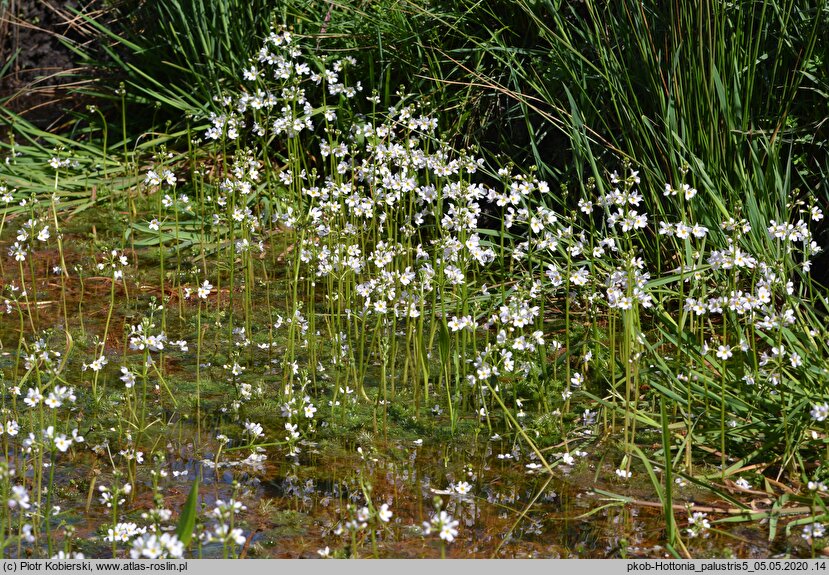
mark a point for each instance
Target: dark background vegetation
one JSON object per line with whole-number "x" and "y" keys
{"x": 39, "y": 69}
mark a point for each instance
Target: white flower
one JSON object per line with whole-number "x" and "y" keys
{"x": 33, "y": 397}
{"x": 444, "y": 525}
{"x": 96, "y": 365}
{"x": 699, "y": 524}
{"x": 820, "y": 411}
{"x": 813, "y": 531}
{"x": 384, "y": 513}
{"x": 123, "y": 532}
{"x": 62, "y": 443}
{"x": 462, "y": 488}
{"x": 796, "y": 360}
{"x": 18, "y": 251}
{"x": 204, "y": 289}
{"x": 448, "y": 531}
{"x": 12, "y": 427}
{"x": 152, "y": 546}
{"x": 724, "y": 352}
{"x": 19, "y": 497}
{"x": 128, "y": 377}
{"x": 579, "y": 278}
{"x": 640, "y": 221}
{"x": 254, "y": 429}
{"x": 237, "y": 536}
{"x": 152, "y": 179}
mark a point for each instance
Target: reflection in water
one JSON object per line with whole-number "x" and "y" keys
{"x": 304, "y": 499}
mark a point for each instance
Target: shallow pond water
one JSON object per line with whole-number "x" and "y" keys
{"x": 299, "y": 504}
{"x": 295, "y": 507}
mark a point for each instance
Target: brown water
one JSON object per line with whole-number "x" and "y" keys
{"x": 295, "y": 505}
